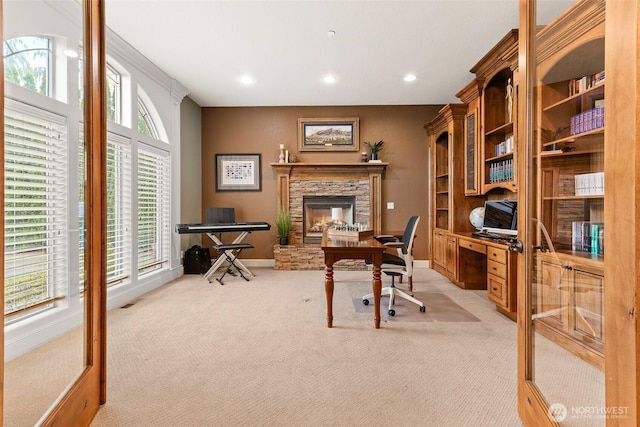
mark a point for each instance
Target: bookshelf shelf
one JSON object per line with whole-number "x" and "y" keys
{"x": 596, "y": 134}
{"x": 595, "y": 92}
{"x": 596, "y": 196}
{"x": 496, "y": 158}
{"x": 504, "y": 129}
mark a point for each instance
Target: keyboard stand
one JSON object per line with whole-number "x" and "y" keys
{"x": 229, "y": 254}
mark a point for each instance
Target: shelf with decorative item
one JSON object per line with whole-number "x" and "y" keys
{"x": 375, "y": 148}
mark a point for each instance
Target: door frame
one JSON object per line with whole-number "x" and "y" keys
{"x": 79, "y": 404}
{"x": 622, "y": 214}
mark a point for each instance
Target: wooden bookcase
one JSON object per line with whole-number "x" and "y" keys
{"x": 569, "y": 291}
{"x": 450, "y": 206}
{"x": 497, "y": 71}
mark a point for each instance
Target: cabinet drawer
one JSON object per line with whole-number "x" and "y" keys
{"x": 496, "y": 269}
{"x": 471, "y": 245}
{"x": 497, "y": 290}
{"x": 498, "y": 255}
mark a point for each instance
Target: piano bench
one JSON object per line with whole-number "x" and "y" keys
{"x": 232, "y": 247}
{"x": 231, "y": 251}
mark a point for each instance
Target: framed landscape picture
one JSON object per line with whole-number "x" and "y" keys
{"x": 238, "y": 172}
{"x": 335, "y": 134}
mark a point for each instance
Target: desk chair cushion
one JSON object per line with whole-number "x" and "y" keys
{"x": 392, "y": 259}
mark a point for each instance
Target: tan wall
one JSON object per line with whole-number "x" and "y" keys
{"x": 190, "y": 169}
{"x": 262, "y": 129}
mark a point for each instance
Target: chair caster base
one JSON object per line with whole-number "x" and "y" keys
{"x": 392, "y": 312}
{"x": 365, "y": 301}
{"x": 423, "y": 309}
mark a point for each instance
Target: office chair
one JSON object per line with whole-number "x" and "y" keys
{"x": 399, "y": 265}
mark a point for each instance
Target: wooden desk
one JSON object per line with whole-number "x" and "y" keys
{"x": 368, "y": 249}
{"x": 490, "y": 265}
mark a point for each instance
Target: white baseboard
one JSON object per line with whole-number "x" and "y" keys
{"x": 421, "y": 263}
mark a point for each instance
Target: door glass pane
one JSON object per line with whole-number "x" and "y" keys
{"x": 44, "y": 302}
{"x": 567, "y": 286}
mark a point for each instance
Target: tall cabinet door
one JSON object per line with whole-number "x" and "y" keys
{"x": 573, "y": 321}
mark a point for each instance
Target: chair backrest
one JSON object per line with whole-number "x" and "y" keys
{"x": 410, "y": 232}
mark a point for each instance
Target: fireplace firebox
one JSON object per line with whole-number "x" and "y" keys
{"x": 320, "y": 212}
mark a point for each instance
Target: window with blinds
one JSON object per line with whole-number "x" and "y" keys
{"x": 154, "y": 185}
{"x": 35, "y": 188}
{"x": 118, "y": 209}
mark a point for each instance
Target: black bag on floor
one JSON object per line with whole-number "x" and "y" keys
{"x": 197, "y": 260}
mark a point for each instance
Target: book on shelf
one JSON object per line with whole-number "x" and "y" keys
{"x": 585, "y": 82}
{"x": 589, "y": 184}
{"x": 587, "y": 236}
{"x": 504, "y": 147}
{"x": 501, "y": 171}
{"x": 587, "y": 121}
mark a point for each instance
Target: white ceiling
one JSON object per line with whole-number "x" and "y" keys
{"x": 208, "y": 45}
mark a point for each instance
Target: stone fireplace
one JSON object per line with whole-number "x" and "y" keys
{"x": 320, "y": 212}
{"x": 296, "y": 181}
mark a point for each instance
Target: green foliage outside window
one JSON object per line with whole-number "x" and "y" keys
{"x": 26, "y": 62}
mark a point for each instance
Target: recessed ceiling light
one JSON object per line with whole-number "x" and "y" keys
{"x": 329, "y": 79}
{"x": 70, "y": 53}
{"x": 331, "y": 33}
{"x": 247, "y": 80}
{"x": 409, "y": 77}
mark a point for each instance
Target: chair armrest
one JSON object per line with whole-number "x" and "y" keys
{"x": 398, "y": 245}
{"x": 394, "y": 244}
{"x": 384, "y": 238}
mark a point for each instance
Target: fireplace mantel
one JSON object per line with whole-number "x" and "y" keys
{"x": 357, "y": 165}
{"x": 371, "y": 172}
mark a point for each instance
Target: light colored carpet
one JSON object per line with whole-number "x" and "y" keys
{"x": 259, "y": 353}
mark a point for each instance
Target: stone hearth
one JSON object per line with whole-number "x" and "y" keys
{"x": 295, "y": 180}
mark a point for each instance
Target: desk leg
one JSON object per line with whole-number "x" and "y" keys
{"x": 377, "y": 291}
{"x": 328, "y": 289}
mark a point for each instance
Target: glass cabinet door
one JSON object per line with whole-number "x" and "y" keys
{"x": 564, "y": 210}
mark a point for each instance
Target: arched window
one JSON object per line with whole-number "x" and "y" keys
{"x": 27, "y": 63}
{"x": 146, "y": 126}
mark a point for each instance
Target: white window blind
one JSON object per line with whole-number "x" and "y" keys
{"x": 154, "y": 185}
{"x": 35, "y": 223}
{"x": 118, "y": 209}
